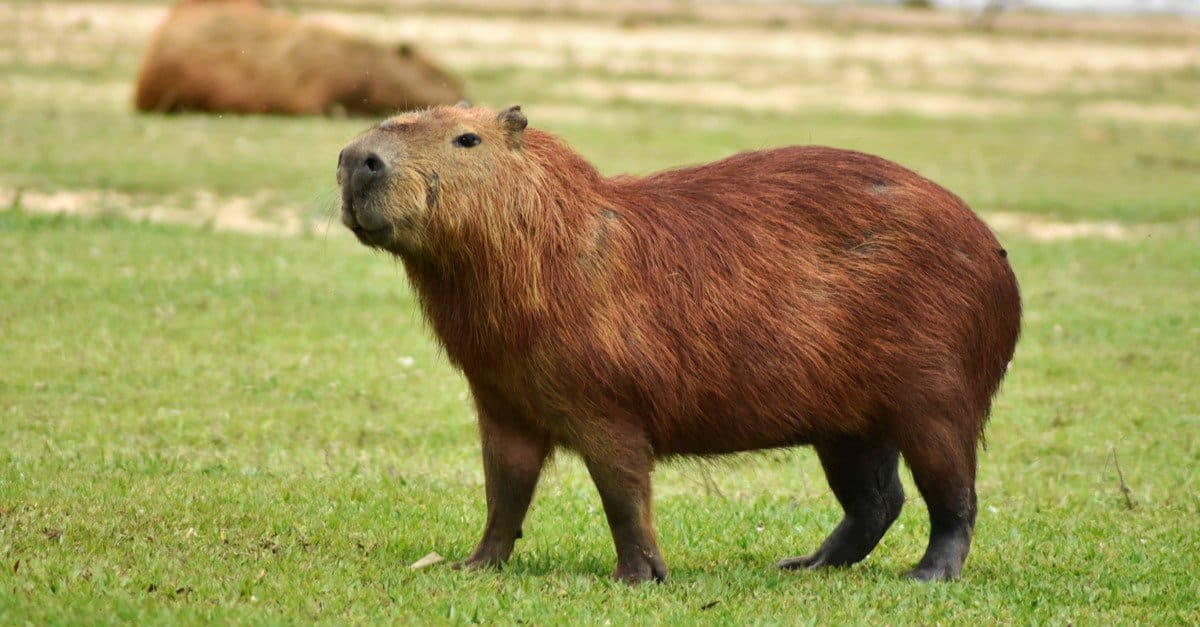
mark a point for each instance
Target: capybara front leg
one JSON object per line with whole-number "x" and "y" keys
{"x": 864, "y": 476}
{"x": 946, "y": 478}
{"x": 622, "y": 476}
{"x": 512, "y": 461}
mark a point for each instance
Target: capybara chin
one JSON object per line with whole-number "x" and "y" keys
{"x": 237, "y": 56}
{"x": 801, "y": 295}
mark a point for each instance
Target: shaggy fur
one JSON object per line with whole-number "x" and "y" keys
{"x": 237, "y": 56}
{"x": 802, "y": 295}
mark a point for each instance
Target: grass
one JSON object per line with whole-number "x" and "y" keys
{"x": 203, "y": 427}
{"x": 213, "y": 427}
{"x": 1059, "y": 167}
{"x": 66, "y": 124}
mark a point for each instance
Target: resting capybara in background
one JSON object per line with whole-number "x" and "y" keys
{"x": 237, "y": 56}
{"x": 802, "y": 295}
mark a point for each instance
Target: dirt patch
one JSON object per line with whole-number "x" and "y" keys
{"x": 787, "y": 98}
{"x": 257, "y": 215}
{"x": 79, "y": 34}
{"x": 59, "y": 89}
{"x": 749, "y": 56}
{"x": 260, "y": 215}
{"x": 797, "y": 67}
{"x": 1138, "y": 112}
{"x": 1048, "y": 230}
{"x": 784, "y": 14}
{"x": 461, "y": 37}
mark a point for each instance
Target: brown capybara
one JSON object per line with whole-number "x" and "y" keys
{"x": 802, "y": 295}
{"x": 237, "y": 56}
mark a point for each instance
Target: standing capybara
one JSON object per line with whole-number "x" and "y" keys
{"x": 802, "y": 295}
{"x": 237, "y": 56}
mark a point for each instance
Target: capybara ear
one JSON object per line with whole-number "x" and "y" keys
{"x": 463, "y": 104}
{"x": 405, "y": 50}
{"x": 513, "y": 122}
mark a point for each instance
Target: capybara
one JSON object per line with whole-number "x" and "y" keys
{"x": 237, "y": 56}
{"x": 801, "y": 295}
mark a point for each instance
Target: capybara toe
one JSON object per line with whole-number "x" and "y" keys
{"x": 641, "y": 572}
{"x": 936, "y": 572}
{"x": 804, "y": 562}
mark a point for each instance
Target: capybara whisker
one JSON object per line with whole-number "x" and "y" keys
{"x": 795, "y": 296}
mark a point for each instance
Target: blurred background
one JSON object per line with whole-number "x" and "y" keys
{"x": 215, "y": 406}
{"x": 1015, "y": 106}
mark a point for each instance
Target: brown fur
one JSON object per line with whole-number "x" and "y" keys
{"x": 802, "y": 295}
{"x": 237, "y": 56}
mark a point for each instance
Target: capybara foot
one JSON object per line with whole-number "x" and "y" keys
{"x": 850, "y": 542}
{"x": 822, "y": 558}
{"x": 805, "y": 562}
{"x": 832, "y": 553}
{"x": 943, "y": 560}
{"x": 838, "y": 550}
{"x": 482, "y": 558}
{"x": 936, "y": 572}
{"x": 473, "y": 563}
{"x": 490, "y": 553}
{"x": 863, "y": 473}
{"x": 641, "y": 570}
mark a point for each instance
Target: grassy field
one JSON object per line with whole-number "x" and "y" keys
{"x": 201, "y": 424}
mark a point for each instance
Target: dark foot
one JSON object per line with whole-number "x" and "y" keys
{"x": 835, "y": 552}
{"x": 943, "y": 560}
{"x": 941, "y": 454}
{"x": 864, "y": 476}
{"x": 486, "y": 556}
{"x": 472, "y": 563}
{"x": 806, "y": 562}
{"x": 641, "y": 569}
{"x": 621, "y": 471}
{"x": 934, "y": 573}
{"x": 852, "y": 540}
{"x": 827, "y": 557}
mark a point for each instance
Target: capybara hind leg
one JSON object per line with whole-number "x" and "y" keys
{"x": 622, "y": 476}
{"x": 512, "y": 461}
{"x": 945, "y": 476}
{"x": 864, "y": 476}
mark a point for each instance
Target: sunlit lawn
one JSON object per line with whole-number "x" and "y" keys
{"x": 202, "y": 426}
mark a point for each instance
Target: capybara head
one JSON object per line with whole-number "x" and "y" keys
{"x": 802, "y": 295}
{"x": 397, "y": 79}
{"x": 394, "y": 177}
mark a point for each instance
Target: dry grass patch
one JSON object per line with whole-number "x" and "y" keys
{"x": 258, "y": 215}
{"x": 801, "y": 62}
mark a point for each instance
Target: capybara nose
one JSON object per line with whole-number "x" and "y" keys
{"x": 359, "y": 169}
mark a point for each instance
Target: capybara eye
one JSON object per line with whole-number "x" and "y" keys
{"x": 467, "y": 140}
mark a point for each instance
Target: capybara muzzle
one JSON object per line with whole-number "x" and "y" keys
{"x": 361, "y": 172}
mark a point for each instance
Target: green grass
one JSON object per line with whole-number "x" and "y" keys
{"x": 1050, "y": 166}
{"x": 210, "y": 427}
{"x": 67, "y": 124}
{"x": 205, "y": 426}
